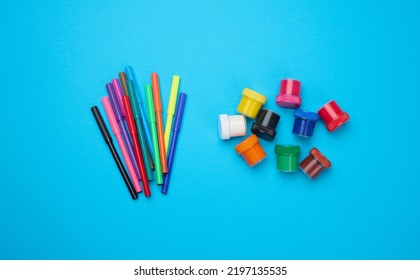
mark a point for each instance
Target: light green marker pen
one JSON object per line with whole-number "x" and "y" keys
{"x": 171, "y": 109}
{"x": 153, "y": 129}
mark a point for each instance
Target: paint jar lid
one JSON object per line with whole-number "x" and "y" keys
{"x": 265, "y": 125}
{"x": 224, "y": 127}
{"x": 231, "y": 126}
{"x": 246, "y": 144}
{"x": 287, "y": 150}
{"x": 254, "y": 95}
{"x": 302, "y": 114}
{"x": 319, "y": 157}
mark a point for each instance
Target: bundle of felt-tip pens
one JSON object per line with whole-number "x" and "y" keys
{"x": 144, "y": 143}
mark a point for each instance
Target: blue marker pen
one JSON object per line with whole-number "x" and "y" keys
{"x": 172, "y": 146}
{"x": 131, "y": 76}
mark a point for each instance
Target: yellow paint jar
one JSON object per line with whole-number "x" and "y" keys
{"x": 251, "y": 103}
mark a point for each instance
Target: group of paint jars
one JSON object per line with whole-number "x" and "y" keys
{"x": 266, "y": 122}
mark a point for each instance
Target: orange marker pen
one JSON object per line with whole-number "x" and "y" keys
{"x": 159, "y": 122}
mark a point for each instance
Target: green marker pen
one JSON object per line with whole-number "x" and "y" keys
{"x": 153, "y": 129}
{"x": 140, "y": 130}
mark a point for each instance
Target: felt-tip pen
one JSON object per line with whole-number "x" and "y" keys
{"x": 108, "y": 141}
{"x": 137, "y": 150}
{"x": 117, "y": 132}
{"x": 172, "y": 147}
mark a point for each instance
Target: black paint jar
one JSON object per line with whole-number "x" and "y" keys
{"x": 265, "y": 125}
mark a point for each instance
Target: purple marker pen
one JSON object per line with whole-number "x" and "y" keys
{"x": 119, "y": 117}
{"x": 119, "y": 94}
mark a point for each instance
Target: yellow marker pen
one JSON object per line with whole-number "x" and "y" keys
{"x": 171, "y": 109}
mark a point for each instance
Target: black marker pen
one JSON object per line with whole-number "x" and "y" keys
{"x": 108, "y": 140}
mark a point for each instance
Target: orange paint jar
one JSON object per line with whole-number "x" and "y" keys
{"x": 251, "y": 150}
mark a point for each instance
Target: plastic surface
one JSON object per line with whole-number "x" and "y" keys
{"x": 152, "y": 122}
{"x": 289, "y": 95}
{"x": 140, "y": 130}
{"x": 250, "y": 103}
{"x": 231, "y": 126}
{"x": 251, "y": 150}
{"x": 131, "y": 76}
{"x": 287, "y": 157}
{"x": 172, "y": 147}
{"x": 314, "y": 163}
{"x": 62, "y": 196}
{"x": 304, "y": 123}
{"x": 107, "y": 137}
{"x": 265, "y": 125}
{"x": 159, "y": 121}
{"x": 173, "y": 95}
{"x": 116, "y": 130}
{"x": 137, "y": 150}
{"x": 333, "y": 116}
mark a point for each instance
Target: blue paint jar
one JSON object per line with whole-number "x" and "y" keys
{"x": 304, "y": 123}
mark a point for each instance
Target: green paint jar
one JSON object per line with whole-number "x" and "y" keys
{"x": 287, "y": 157}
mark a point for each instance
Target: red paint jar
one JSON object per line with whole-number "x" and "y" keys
{"x": 333, "y": 116}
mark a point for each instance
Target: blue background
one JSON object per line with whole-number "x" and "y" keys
{"x": 62, "y": 197}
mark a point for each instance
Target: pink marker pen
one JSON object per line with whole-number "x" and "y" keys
{"x": 117, "y": 133}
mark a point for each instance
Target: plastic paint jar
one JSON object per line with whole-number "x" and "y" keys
{"x": 287, "y": 157}
{"x": 250, "y": 103}
{"x": 265, "y": 125}
{"x": 314, "y": 163}
{"x": 305, "y": 122}
{"x": 333, "y": 116}
{"x": 251, "y": 150}
{"x": 231, "y": 126}
{"x": 289, "y": 95}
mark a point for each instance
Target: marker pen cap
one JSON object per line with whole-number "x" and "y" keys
{"x": 150, "y": 106}
{"x": 114, "y": 102}
{"x": 314, "y": 163}
{"x": 123, "y": 82}
{"x": 333, "y": 116}
{"x": 231, "y": 126}
{"x": 304, "y": 124}
{"x": 287, "y": 157}
{"x": 119, "y": 94}
{"x": 111, "y": 117}
{"x": 289, "y": 95}
{"x": 265, "y": 125}
{"x": 250, "y": 103}
{"x": 133, "y": 99}
{"x": 129, "y": 71}
{"x": 251, "y": 150}
{"x": 156, "y": 92}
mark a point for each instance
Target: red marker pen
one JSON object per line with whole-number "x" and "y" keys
{"x": 137, "y": 150}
